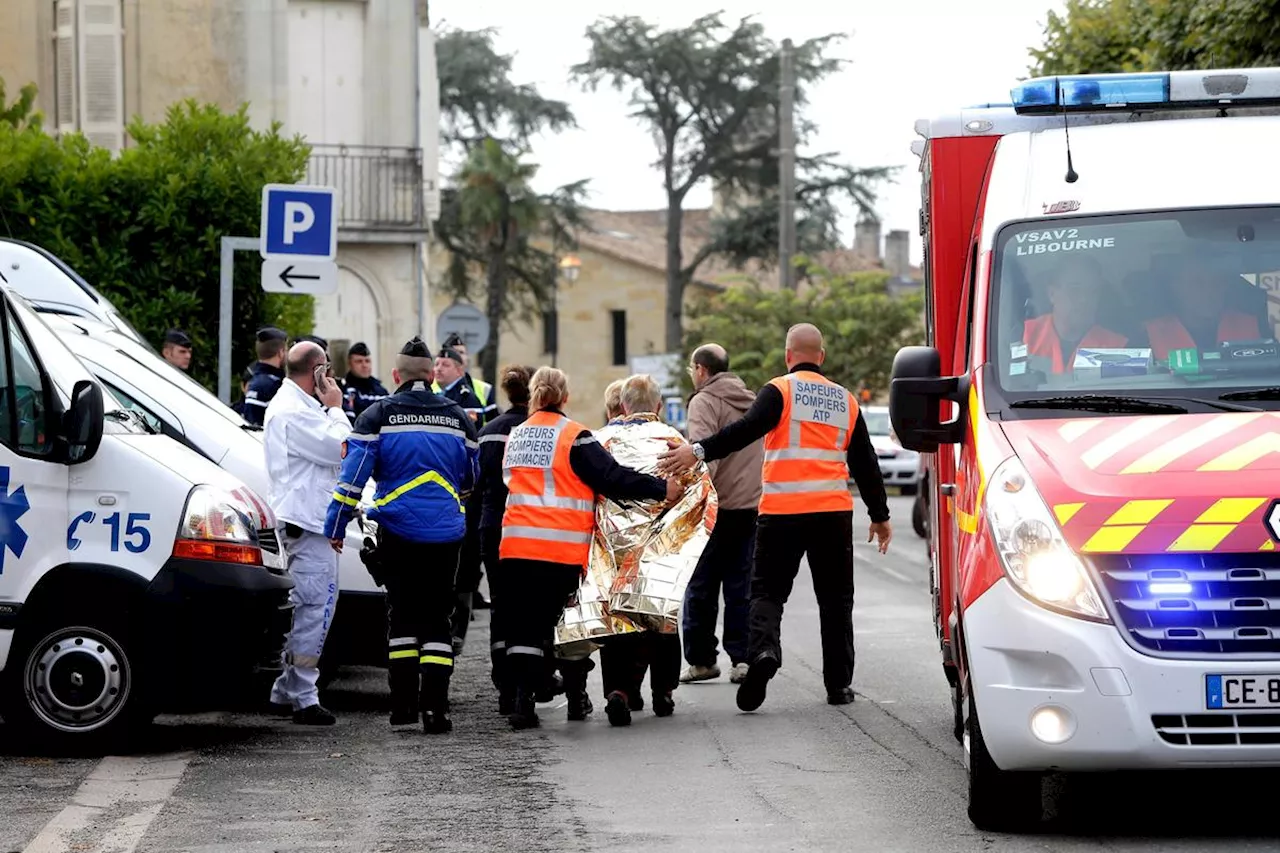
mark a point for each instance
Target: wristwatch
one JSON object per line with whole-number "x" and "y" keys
{"x": 699, "y": 451}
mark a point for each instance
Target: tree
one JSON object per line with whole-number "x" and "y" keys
{"x": 21, "y": 112}
{"x": 491, "y": 222}
{"x": 863, "y": 326}
{"x": 1094, "y": 36}
{"x": 144, "y": 227}
{"x": 502, "y": 236}
{"x": 709, "y": 94}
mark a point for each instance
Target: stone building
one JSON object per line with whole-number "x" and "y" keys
{"x": 343, "y": 74}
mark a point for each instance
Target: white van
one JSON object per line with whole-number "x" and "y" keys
{"x": 132, "y": 574}
{"x": 175, "y": 404}
{"x": 51, "y": 286}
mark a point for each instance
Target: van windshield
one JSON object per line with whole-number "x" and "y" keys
{"x": 1177, "y": 303}
{"x": 64, "y": 369}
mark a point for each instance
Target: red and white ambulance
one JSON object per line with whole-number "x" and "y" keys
{"x": 1100, "y": 402}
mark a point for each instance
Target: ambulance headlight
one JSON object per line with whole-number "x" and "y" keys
{"x": 1032, "y": 551}
{"x": 216, "y": 526}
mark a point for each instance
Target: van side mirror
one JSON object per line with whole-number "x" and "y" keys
{"x": 83, "y": 422}
{"x": 917, "y": 391}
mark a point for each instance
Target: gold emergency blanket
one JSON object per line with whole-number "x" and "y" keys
{"x": 642, "y": 556}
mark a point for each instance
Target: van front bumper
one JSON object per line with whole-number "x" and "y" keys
{"x": 219, "y": 622}
{"x": 1117, "y": 708}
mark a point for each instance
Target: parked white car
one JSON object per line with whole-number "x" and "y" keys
{"x": 898, "y": 466}
{"x": 175, "y": 404}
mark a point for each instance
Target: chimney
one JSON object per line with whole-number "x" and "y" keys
{"x": 897, "y": 253}
{"x": 866, "y": 238}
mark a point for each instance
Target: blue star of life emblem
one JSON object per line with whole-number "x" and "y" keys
{"x": 13, "y": 505}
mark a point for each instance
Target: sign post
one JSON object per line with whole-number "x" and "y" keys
{"x": 468, "y": 321}
{"x": 299, "y": 239}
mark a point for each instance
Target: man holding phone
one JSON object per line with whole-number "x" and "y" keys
{"x": 305, "y": 433}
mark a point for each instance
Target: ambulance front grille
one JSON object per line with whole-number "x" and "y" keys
{"x": 269, "y": 541}
{"x": 1195, "y": 605}
{"x": 1218, "y": 729}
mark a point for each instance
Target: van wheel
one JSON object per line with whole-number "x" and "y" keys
{"x": 999, "y": 800}
{"x": 918, "y": 521}
{"x": 76, "y": 685}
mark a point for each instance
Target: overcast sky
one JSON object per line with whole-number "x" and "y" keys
{"x": 907, "y": 60}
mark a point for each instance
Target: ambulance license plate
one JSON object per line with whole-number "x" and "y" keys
{"x": 1242, "y": 691}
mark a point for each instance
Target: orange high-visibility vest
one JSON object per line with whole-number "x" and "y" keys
{"x": 1042, "y": 340}
{"x": 1168, "y": 333}
{"x": 550, "y": 512}
{"x": 805, "y": 455}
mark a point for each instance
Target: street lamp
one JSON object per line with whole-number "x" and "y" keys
{"x": 570, "y": 265}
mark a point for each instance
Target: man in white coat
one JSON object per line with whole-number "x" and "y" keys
{"x": 306, "y": 431}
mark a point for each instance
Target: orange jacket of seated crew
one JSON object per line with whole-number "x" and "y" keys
{"x": 1042, "y": 340}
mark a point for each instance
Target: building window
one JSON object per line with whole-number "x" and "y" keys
{"x": 88, "y": 51}
{"x": 550, "y": 331}
{"x": 619, "y": 337}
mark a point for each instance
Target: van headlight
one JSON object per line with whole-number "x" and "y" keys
{"x": 216, "y": 526}
{"x": 1033, "y": 552}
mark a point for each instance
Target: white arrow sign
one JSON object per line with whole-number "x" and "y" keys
{"x": 316, "y": 279}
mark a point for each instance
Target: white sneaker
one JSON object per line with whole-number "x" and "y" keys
{"x": 739, "y": 673}
{"x": 699, "y": 673}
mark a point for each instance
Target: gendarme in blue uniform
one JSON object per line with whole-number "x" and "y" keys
{"x": 421, "y": 450}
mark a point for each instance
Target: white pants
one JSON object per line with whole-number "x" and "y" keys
{"x": 313, "y": 565}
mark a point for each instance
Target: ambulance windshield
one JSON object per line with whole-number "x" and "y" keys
{"x": 1181, "y": 303}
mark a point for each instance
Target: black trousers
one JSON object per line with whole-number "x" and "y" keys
{"x": 536, "y": 592}
{"x": 725, "y": 563}
{"x": 624, "y": 659}
{"x": 781, "y": 541}
{"x": 469, "y": 569}
{"x": 420, "y": 597}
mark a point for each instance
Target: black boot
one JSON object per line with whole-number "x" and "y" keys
{"x": 524, "y": 714}
{"x": 435, "y": 701}
{"x": 460, "y": 621}
{"x": 526, "y": 672}
{"x": 575, "y": 687}
{"x": 403, "y": 678}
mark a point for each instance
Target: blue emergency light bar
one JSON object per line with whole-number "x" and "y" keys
{"x": 1173, "y": 90}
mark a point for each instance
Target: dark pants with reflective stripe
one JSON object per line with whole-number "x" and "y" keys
{"x": 536, "y": 592}
{"x": 420, "y": 597}
{"x": 725, "y": 562}
{"x": 826, "y": 538}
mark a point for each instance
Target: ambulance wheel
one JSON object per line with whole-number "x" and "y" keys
{"x": 999, "y": 800}
{"x": 918, "y": 522}
{"x": 74, "y": 682}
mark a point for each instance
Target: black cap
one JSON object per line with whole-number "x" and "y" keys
{"x": 271, "y": 333}
{"x": 453, "y": 340}
{"x": 416, "y": 348}
{"x": 446, "y": 352}
{"x": 178, "y": 337}
{"x": 315, "y": 339}
{"x": 359, "y": 348}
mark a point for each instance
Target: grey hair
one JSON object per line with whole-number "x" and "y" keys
{"x": 641, "y": 393}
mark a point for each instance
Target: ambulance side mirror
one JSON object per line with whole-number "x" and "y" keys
{"x": 84, "y": 422}
{"x": 917, "y": 392}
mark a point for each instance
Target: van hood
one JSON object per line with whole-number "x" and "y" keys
{"x": 1154, "y": 484}
{"x": 183, "y": 461}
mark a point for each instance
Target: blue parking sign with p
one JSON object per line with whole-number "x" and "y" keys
{"x": 299, "y": 223}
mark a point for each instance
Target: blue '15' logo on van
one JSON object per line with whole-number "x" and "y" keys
{"x": 13, "y": 505}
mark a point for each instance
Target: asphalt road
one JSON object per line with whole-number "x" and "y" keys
{"x": 883, "y": 774}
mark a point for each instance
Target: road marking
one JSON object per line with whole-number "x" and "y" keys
{"x": 894, "y": 573}
{"x": 114, "y": 807}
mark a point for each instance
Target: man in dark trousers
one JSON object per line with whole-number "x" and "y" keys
{"x": 719, "y": 399}
{"x": 454, "y": 383}
{"x": 268, "y": 373}
{"x": 814, "y": 438}
{"x": 361, "y": 389}
{"x": 421, "y": 450}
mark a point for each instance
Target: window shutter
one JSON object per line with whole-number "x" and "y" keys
{"x": 101, "y": 73}
{"x": 64, "y": 52}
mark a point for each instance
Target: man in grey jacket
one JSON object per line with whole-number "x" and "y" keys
{"x": 721, "y": 398}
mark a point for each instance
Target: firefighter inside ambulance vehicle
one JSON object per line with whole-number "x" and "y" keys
{"x": 1158, "y": 313}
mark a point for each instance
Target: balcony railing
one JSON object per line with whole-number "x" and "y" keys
{"x": 379, "y": 188}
